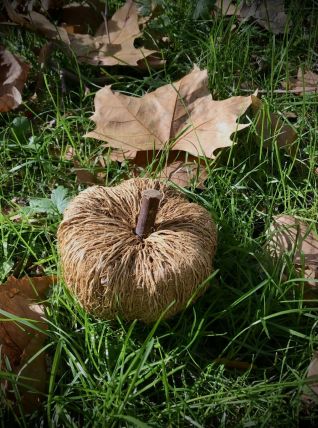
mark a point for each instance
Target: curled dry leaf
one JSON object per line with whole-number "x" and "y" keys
{"x": 13, "y": 75}
{"x": 270, "y": 128}
{"x": 181, "y": 116}
{"x": 306, "y": 83}
{"x": 20, "y": 343}
{"x": 289, "y": 235}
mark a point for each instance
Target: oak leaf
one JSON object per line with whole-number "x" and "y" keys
{"x": 180, "y": 116}
{"x": 19, "y": 341}
{"x": 13, "y": 75}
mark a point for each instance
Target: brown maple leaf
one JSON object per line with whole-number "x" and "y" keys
{"x": 113, "y": 43}
{"x": 19, "y": 341}
{"x": 180, "y": 116}
{"x": 13, "y": 75}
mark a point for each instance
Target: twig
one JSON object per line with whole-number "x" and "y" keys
{"x": 148, "y": 211}
{"x": 278, "y": 91}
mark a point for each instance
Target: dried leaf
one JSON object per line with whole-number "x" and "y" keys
{"x": 269, "y": 14}
{"x": 122, "y": 156}
{"x": 13, "y": 75}
{"x": 176, "y": 167}
{"x": 182, "y": 115}
{"x": 310, "y": 390}
{"x": 270, "y": 128}
{"x": 185, "y": 174}
{"x": 306, "y": 83}
{"x": 19, "y": 342}
{"x": 114, "y": 44}
{"x": 289, "y": 235}
{"x": 35, "y": 21}
{"x": 84, "y": 176}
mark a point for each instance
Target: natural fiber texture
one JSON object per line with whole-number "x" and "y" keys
{"x": 113, "y": 272}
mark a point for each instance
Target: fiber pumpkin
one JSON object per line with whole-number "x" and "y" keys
{"x": 113, "y": 271}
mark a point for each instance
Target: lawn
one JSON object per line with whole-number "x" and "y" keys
{"x": 238, "y": 357}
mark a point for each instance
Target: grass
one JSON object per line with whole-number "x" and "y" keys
{"x": 174, "y": 373}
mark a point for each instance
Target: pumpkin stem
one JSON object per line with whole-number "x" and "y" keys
{"x": 148, "y": 211}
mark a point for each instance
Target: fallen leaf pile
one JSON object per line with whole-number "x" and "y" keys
{"x": 20, "y": 342}
{"x": 291, "y": 236}
{"x": 269, "y": 14}
{"x": 13, "y": 75}
{"x": 112, "y": 44}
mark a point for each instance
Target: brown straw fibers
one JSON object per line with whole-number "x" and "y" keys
{"x": 113, "y": 272}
